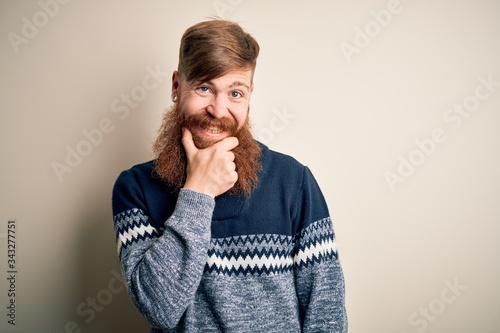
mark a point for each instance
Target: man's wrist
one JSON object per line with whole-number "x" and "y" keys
{"x": 203, "y": 190}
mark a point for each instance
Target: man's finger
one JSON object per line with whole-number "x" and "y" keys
{"x": 230, "y": 156}
{"x": 229, "y": 143}
{"x": 188, "y": 143}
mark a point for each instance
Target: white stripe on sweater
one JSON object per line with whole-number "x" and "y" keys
{"x": 132, "y": 233}
{"x": 326, "y": 247}
{"x": 249, "y": 261}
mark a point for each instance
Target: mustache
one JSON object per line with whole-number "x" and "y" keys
{"x": 208, "y": 122}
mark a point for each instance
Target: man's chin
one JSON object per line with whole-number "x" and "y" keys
{"x": 203, "y": 142}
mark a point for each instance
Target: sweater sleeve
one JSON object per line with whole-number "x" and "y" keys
{"x": 318, "y": 274}
{"x": 162, "y": 268}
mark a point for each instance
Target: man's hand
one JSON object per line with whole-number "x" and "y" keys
{"x": 211, "y": 170}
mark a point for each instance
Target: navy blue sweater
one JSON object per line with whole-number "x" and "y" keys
{"x": 267, "y": 263}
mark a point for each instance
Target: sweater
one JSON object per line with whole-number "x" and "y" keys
{"x": 263, "y": 263}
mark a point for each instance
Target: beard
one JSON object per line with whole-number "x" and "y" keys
{"x": 171, "y": 161}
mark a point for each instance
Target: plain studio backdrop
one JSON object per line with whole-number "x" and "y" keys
{"x": 394, "y": 105}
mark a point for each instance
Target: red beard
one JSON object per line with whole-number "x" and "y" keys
{"x": 170, "y": 163}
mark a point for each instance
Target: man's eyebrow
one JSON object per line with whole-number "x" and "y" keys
{"x": 232, "y": 85}
{"x": 239, "y": 84}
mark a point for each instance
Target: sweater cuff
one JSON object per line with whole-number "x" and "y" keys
{"x": 193, "y": 205}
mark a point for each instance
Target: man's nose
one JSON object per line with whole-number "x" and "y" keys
{"x": 218, "y": 106}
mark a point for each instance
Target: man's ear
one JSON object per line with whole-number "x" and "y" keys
{"x": 175, "y": 81}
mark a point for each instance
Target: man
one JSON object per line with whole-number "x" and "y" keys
{"x": 218, "y": 233}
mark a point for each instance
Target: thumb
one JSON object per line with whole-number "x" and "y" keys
{"x": 188, "y": 143}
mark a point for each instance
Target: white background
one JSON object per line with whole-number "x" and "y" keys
{"x": 352, "y": 118}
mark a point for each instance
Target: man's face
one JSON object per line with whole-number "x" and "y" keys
{"x": 212, "y": 111}
{"x": 218, "y": 107}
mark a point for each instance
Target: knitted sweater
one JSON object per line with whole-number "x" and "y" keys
{"x": 267, "y": 263}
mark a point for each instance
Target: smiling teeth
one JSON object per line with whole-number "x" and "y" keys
{"x": 213, "y": 130}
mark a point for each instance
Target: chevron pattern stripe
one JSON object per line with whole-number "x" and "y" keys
{"x": 315, "y": 244}
{"x": 132, "y": 226}
{"x": 255, "y": 262}
{"x": 272, "y": 254}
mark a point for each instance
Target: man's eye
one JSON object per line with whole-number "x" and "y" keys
{"x": 236, "y": 94}
{"x": 203, "y": 89}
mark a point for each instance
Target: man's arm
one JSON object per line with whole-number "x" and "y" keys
{"x": 163, "y": 269}
{"x": 318, "y": 273}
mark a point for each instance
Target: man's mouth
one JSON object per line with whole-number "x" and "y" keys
{"x": 209, "y": 130}
{"x": 213, "y": 130}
